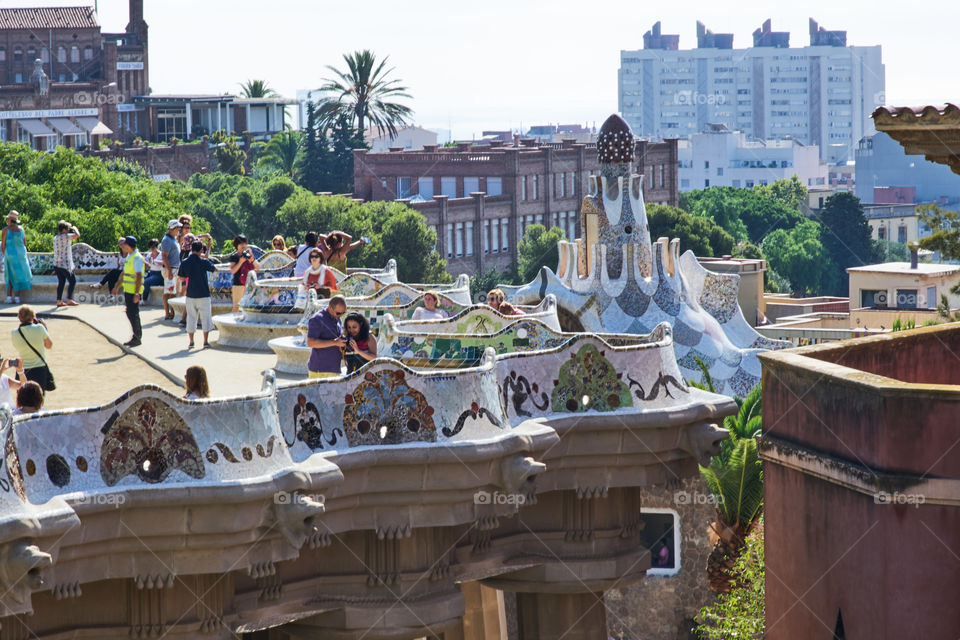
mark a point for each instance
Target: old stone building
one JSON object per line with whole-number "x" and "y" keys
{"x": 64, "y": 82}
{"x": 481, "y": 199}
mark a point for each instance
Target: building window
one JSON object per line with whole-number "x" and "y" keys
{"x": 171, "y": 123}
{"x": 706, "y": 184}
{"x": 486, "y": 237}
{"x": 18, "y": 78}
{"x": 536, "y": 187}
{"x": 661, "y": 535}
{"x": 403, "y": 187}
{"x": 873, "y": 298}
{"x": 736, "y": 183}
{"x": 571, "y": 225}
{"x": 523, "y": 187}
{"x": 902, "y": 234}
{"x": 3, "y": 54}
{"x": 74, "y": 53}
{"x": 719, "y": 173}
{"x": 31, "y": 54}
{"x": 425, "y": 187}
{"x": 470, "y": 185}
{"x": 882, "y": 233}
{"x": 44, "y": 55}
{"x": 468, "y": 229}
{"x": 563, "y": 184}
{"x": 749, "y": 184}
{"x": 458, "y": 239}
{"x": 504, "y": 234}
{"x": 495, "y": 235}
{"x": 88, "y": 53}
{"x": 448, "y": 187}
{"x": 449, "y": 240}
{"x": 685, "y": 183}
{"x": 494, "y": 186}
{"x": 61, "y": 54}
{"x": 706, "y": 164}
{"x": 18, "y": 55}
{"x": 907, "y": 298}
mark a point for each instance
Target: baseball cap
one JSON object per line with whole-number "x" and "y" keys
{"x": 174, "y": 224}
{"x": 129, "y": 241}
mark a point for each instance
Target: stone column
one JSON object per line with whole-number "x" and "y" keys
{"x": 483, "y": 614}
{"x": 572, "y": 616}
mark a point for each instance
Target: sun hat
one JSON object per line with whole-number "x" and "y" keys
{"x": 174, "y": 224}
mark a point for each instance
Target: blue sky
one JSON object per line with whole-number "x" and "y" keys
{"x": 496, "y": 63}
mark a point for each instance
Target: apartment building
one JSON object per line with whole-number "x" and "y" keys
{"x": 821, "y": 94}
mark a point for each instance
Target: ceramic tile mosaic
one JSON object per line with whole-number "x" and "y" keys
{"x": 483, "y": 319}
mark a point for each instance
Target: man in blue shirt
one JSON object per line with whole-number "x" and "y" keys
{"x": 170, "y": 254}
{"x": 195, "y": 269}
{"x": 325, "y": 339}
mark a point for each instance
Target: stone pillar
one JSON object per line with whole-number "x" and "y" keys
{"x": 572, "y": 616}
{"x": 483, "y": 613}
{"x": 479, "y": 198}
{"x": 442, "y": 248}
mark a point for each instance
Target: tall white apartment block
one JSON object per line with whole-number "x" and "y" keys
{"x": 822, "y": 94}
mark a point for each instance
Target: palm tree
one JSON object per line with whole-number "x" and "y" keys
{"x": 257, "y": 89}
{"x": 281, "y": 152}
{"x": 364, "y": 94}
{"x": 735, "y": 479}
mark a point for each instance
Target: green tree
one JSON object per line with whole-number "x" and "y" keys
{"x": 944, "y": 230}
{"x": 699, "y": 234}
{"x": 536, "y": 249}
{"x": 313, "y": 165}
{"x": 257, "y": 89}
{"x": 364, "y": 94}
{"x": 846, "y": 238}
{"x": 790, "y": 192}
{"x": 407, "y": 239}
{"x": 740, "y": 614}
{"x": 280, "y": 154}
{"x": 490, "y": 278}
{"x": 229, "y": 155}
{"x": 799, "y": 256}
{"x": 746, "y": 214}
{"x": 344, "y": 140}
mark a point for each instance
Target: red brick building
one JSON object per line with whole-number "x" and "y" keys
{"x": 64, "y": 82}
{"x": 481, "y": 199}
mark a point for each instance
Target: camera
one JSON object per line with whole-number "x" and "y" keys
{"x": 247, "y": 254}
{"x": 14, "y": 362}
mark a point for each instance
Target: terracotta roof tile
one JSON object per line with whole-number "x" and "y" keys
{"x": 929, "y": 114}
{"x": 49, "y": 18}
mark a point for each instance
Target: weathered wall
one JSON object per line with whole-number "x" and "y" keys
{"x": 661, "y": 607}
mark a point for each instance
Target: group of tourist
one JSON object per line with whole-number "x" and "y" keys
{"x": 497, "y": 299}
{"x": 333, "y": 248}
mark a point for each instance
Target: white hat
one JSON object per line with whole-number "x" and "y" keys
{"x": 174, "y": 224}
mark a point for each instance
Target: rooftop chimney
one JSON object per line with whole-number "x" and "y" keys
{"x": 914, "y": 257}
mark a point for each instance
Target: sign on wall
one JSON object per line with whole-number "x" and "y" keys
{"x": 129, "y": 66}
{"x": 47, "y": 113}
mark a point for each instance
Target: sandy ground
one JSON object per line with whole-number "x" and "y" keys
{"x": 88, "y": 369}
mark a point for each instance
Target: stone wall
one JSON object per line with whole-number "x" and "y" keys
{"x": 661, "y": 607}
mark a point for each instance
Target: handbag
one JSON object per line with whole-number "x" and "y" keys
{"x": 51, "y": 385}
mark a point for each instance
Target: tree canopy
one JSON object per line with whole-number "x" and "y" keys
{"x": 699, "y": 234}
{"x": 364, "y": 95}
{"x": 538, "y": 248}
{"x": 799, "y": 256}
{"x": 257, "y": 89}
{"x": 748, "y": 214}
{"x": 846, "y": 238}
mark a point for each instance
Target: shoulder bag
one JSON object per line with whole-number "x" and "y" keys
{"x": 51, "y": 384}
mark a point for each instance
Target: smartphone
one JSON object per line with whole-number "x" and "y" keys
{"x": 365, "y": 239}
{"x": 14, "y": 362}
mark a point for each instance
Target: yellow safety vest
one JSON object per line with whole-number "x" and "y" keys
{"x": 130, "y": 273}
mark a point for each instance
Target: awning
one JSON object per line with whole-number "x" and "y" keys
{"x": 93, "y": 126}
{"x": 36, "y": 128}
{"x": 65, "y": 127}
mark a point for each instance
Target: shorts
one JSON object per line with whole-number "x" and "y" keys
{"x": 199, "y": 309}
{"x": 323, "y": 374}
{"x": 170, "y": 286}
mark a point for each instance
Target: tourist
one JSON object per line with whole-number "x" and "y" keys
{"x": 155, "y": 266}
{"x": 63, "y": 261}
{"x": 132, "y": 282}
{"x": 195, "y": 269}
{"x": 336, "y": 247}
{"x": 361, "y": 347}
{"x": 8, "y": 384}
{"x": 303, "y": 253}
{"x": 292, "y": 252}
{"x": 325, "y": 339}
{"x": 278, "y": 243}
{"x": 496, "y": 297}
{"x": 15, "y": 263}
{"x": 242, "y": 262}
{"x": 508, "y": 309}
{"x": 429, "y": 310}
{"x": 31, "y": 340}
{"x": 110, "y": 277}
{"x": 318, "y": 277}
{"x": 170, "y": 254}
{"x": 187, "y": 238}
{"x": 29, "y": 398}
{"x": 196, "y": 383}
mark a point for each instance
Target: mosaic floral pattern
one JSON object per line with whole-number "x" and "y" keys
{"x": 275, "y": 260}
{"x": 588, "y": 381}
{"x": 359, "y": 284}
{"x": 517, "y": 390}
{"x": 270, "y": 298}
{"x": 385, "y": 409}
{"x": 149, "y": 440}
